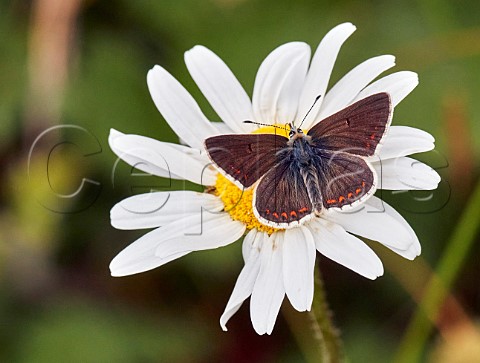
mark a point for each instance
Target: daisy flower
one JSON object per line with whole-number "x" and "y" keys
{"x": 278, "y": 262}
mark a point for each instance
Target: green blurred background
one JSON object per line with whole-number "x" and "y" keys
{"x": 84, "y": 63}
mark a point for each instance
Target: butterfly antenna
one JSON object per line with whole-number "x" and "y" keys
{"x": 314, "y": 102}
{"x": 260, "y": 124}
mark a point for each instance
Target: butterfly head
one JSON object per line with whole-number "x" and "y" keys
{"x": 295, "y": 133}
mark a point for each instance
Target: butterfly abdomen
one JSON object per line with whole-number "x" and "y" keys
{"x": 310, "y": 179}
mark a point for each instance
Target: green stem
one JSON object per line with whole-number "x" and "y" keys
{"x": 326, "y": 333}
{"x": 440, "y": 283}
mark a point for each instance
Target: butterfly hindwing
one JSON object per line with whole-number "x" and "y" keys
{"x": 344, "y": 179}
{"x": 245, "y": 158}
{"x": 281, "y": 199}
{"x": 357, "y": 129}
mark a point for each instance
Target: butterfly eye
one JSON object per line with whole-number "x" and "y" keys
{"x": 291, "y": 133}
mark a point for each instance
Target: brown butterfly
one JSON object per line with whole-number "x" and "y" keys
{"x": 299, "y": 176}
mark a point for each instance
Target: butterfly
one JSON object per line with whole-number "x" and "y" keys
{"x": 300, "y": 176}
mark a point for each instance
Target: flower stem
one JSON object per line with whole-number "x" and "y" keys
{"x": 327, "y": 335}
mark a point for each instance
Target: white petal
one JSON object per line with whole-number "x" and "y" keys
{"x": 222, "y": 128}
{"x": 406, "y": 174}
{"x": 249, "y": 242}
{"x": 334, "y": 242}
{"x": 208, "y": 232}
{"x": 246, "y": 280}
{"x": 269, "y": 291}
{"x": 278, "y": 83}
{"x": 398, "y": 85}
{"x": 372, "y": 222}
{"x": 156, "y": 209}
{"x": 298, "y": 267}
{"x": 130, "y": 262}
{"x": 198, "y": 155}
{"x": 220, "y": 87}
{"x": 140, "y": 255}
{"x": 321, "y": 67}
{"x": 179, "y": 108}
{"x": 345, "y": 90}
{"x": 415, "y": 248}
{"x": 287, "y": 103}
{"x": 160, "y": 169}
{"x": 410, "y": 132}
{"x": 404, "y": 140}
{"x": 155, "y": 155}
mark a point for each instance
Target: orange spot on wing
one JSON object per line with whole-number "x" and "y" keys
{"x": 293, "y": 214}
{"x": 341, "y": 199}
{"x": 284, "y": 215}
{"x": 363, "y": 184}
{"x": 303, "y": 210}
{"x": 372, "y": 136}
{"x": 275, "y": 214}
{"x": 267, "y": 211}
{"x": 358, "y": 190}
{"x": 331, "y": 201}
{"x": 350, "y": 195}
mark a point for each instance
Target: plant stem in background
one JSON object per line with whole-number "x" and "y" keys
{"x": 440, "y": 283}
{"x": 51, "y": 44}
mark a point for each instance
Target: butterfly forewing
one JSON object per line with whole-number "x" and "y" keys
{"x": 357, "y": 129}
{"x": 245, "y": 158}
{"x": 281, "y": 199}
{"x": 344, "y": 179}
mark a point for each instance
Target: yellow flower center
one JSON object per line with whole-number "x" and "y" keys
{"x": 239, "y": 203}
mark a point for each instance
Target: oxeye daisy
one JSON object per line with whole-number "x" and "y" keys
{"x": 279, "y": 257}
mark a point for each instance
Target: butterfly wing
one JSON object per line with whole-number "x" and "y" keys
{"x": 357, "y": 129}
{"x": 344, "y": 179}
{"x": 281, "y": 199}
{"x": 245, "y": 158}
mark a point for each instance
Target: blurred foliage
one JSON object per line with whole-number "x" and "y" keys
{"x": 57, "y": 301}
{"x": 84, "y": 332}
